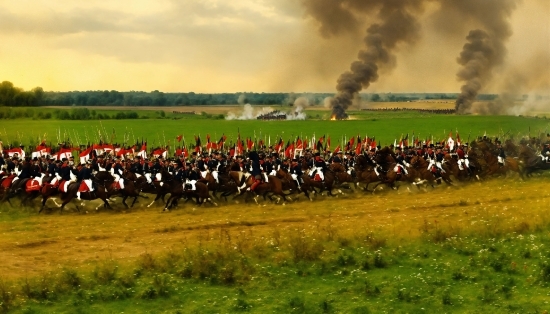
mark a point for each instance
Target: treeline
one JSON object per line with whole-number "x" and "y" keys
{"x": 16, "y": 97}
{"x": 73, "y": 114}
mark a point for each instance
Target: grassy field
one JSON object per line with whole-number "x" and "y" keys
{"x": 385, "y": 126}
{"x": 478, "y": 248}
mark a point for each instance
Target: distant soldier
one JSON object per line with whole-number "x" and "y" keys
{"x": 546, "y": 153}
{"x": 501, "y": 156}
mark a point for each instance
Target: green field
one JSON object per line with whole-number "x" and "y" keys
{"x": 385, "y": 126}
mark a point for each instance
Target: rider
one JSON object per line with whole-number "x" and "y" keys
{"x": 193, "y": 176}
{"x": 212, "y": 165}
{"x": 546, "y": 153}
{"x": 462, "y": 158}
{"x": 501, "y": 156}
{"x": 319, "y": 166}
{"x": 255, "y": 170}
{"x": 400, "y": 160}
{"x": 296, "y": 172}
{"x": 85, "y": 175}
{"x": 117, "y": 172}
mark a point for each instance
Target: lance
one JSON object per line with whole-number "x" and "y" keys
{"x": 164, "y": 138}
{"x": 7, "y": 139}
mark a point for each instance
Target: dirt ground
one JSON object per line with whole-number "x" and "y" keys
{"x": 32, "y": 243}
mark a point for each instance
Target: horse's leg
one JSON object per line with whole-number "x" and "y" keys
{"x": 44, "y": 199}
{"x": 156, "y": 199}
{"x": 168, "y": 204}
{"x": 135, "y": 199}
{"x": 124, "y": 197}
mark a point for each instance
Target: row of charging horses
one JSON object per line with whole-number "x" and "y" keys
{"x": 522, "y": 159}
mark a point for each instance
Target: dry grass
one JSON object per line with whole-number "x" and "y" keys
{"x": 32, "y": 244}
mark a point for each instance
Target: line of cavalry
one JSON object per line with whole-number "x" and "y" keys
{"x": 213, "y": 177}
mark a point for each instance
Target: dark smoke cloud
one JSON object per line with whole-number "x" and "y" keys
{"x": 478, "y": 58}
{"x": 397, "y": 24}
{"x": 486, "y": 45}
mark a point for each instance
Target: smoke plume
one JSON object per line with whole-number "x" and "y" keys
{"x": 485, "y": 48}
{"x": 397, "y": 23}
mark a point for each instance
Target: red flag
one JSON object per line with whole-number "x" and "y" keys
{"x": 358, "y": 146}
{"x": 179, "y": 137}
{"x": 337, "y": 150}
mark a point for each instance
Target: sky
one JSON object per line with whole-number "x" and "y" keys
{"x": 212, "y": 46}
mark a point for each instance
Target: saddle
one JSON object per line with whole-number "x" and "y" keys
{"x": 115, "y": 185}
{"x": 7, "y": 182}
{"x": 32, "y": 185}
{"x": 83, "y": 187}
{"x": 317, "y": 178}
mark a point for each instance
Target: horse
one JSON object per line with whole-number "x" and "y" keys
{"x": 364, "y": 172}
{"x": 201, "y": 194}
{"x": 531, "y": 161}
{"x": 420, "y": 173}
{"x": 454, "y": 168}
{"x": 493, "y": 167}
{"x": 289, "y": 184}
{"x": 101, "y": 191}
{"x": 28, "y": 187}
{"x": 386, "y": 159}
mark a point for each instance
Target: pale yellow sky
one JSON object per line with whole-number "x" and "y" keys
{"x": 230, "y": 46}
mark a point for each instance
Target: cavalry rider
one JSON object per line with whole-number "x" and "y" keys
{"x": 146, "y": 170}
{"x": 319, "y": 167}
{"x": 117, "y": 172}
{"x": 263, "y": 167}
{"x": 336, "y": 159}
{"x": 85, "y": 175}
{"x": 296, "y": 172}
{"x": 401, "y": 164}
{"x": 192, "y": 177}
{"x": 349, "y": 161}
{"x": 501, "y": 156}
{"x": 255, "y": 170}
{"x": 269, "y": 166}
{"x": 212, "y": 166}
{"x": 463, "y": 161}
{"x": 546, "y": 153}
{"x": 202, "y": 166}
{"x": 65, "y": 172}
{"x": 136, "y": 167}
{"x": 25, "y": 173}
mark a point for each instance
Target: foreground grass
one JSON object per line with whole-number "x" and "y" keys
{"x": 480, "y": 248}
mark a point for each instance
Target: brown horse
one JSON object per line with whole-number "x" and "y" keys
{"x": 531, "y": 161}
{"x": 454, "y": 169}
{"x": 200, "y": 194}
{"x": 19, "y": 188}
{"x": 364, "y": 171}
{"x": 420, "y": 174}
{"x": 494, "y": 168}
{"x": 102, "y": 192}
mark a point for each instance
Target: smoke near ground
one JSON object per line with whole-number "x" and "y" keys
{"x": 249, "y": 112}
{"x": 525, "y": 76}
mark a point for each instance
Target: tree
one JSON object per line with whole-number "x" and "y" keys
{"x": 38, "y": 95}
